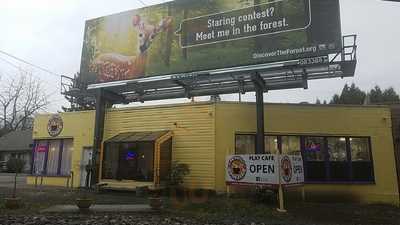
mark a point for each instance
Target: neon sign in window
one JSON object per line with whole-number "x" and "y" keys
{"x": 131, "y": 155}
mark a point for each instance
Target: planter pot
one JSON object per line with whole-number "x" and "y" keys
{"x": 178, "y": 192}
{"x": 84, "y": 203}
{"x": 155, "y": 203}
{"x": 12, "y": 203}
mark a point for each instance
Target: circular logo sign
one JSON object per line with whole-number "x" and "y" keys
{"x": 286, "y": 169}
{"x": 237, "y": 168}
{"x": 55, "y": 125}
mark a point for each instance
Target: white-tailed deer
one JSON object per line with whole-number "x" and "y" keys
{"x": 115, "y": 66}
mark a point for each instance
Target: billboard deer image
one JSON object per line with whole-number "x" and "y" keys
{"x": 191, "y": 36}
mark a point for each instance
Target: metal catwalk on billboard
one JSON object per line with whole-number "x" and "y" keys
{"x": 280, "y": 75}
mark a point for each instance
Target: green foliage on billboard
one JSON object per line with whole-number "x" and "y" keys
{"x": 196, "y": 35}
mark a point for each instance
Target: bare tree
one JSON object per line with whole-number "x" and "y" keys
{"x": 20, "y": 98}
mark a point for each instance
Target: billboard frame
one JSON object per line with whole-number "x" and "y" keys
{"x": 256, "y": 78}
{"x": 106, "y": 59}
{"x": 278, "y": 75}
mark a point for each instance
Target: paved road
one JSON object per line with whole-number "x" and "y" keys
{"x": 7, "y": 179}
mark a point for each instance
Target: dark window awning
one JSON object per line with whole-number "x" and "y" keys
{"x": 137, "y": 136}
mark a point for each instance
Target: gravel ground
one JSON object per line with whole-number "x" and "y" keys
{"x": 147, "y": 219}
{"x": 92, "y": 220}
{"x": 216, "y": 210}
{"x": 378, "y": 215}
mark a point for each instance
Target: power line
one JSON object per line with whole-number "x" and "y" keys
{"x": 54, "y": 89}
{"x": 31, "y": 64}
{"x": 25, "y": 71}
{"x": 13, "y": 65}
{"x": 18, "y": 67}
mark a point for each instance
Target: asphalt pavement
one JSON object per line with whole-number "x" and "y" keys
{"x": 7, "y": 179}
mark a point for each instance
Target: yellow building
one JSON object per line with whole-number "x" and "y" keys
{"x": 348, "y": 151}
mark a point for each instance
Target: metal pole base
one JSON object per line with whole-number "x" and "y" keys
{"x": 281, "y": 210}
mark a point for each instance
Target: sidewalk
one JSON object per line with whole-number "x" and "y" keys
{"x": 7, "y": 180}
{"x": 99, "y": 208}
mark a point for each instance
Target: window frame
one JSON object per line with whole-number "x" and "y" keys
{"x": 236, "y": 140}
{"x": 371, "y": 160}
{"x": 326, "y": 161}
{"x": 59, "y": 164}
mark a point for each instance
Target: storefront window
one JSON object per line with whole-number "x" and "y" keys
{"x": 245, "y": 144}
{"x": 326, "y": 159}
{"x": 53, "y": 157}
{"x": 361, "y": 164}
{"x": 271, "y": 144}
{"x": 314, "y": 149}
{"x": 66, "y": 157}
{"x": 314, "y": 159}
{"x": 40, "y": 157}
{"x": 332, "y": 164}
{"x": 360, "y": 149}
{"x": 129, "y": 161}
{"x": 338, "y": 165}
{"x": 337, "y": 149}
{"x": 291, "y": 145}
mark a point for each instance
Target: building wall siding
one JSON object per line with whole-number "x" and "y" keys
{"x": 374, "y": 122}
{"x": 76, "y": 125}
{"x": 204, "y": 134}
{"x": 395, "y": 110}
{"x": 193, "y": 128}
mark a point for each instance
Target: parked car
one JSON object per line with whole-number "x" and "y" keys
{"x": 3, "y": 166}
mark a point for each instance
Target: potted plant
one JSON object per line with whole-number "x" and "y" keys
{"x": 16, "y": 166}
{"x": 84, "y": 201}
{"x": 177, "y": 173}
{"x": 155, "y": 200}
{"x": 176, "y": 177}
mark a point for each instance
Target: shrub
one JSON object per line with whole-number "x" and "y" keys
{"x": 178, "y": 173}
{"x": 15, "y": 165}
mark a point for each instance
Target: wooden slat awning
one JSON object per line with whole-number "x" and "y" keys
{"x": 137, "y": 136}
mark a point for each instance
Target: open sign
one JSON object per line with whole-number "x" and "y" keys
{"x": 41, "y": 148}
{"x": 266, "y": 169}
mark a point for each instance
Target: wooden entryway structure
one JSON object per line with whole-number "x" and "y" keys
{"x": 136, "y": 159}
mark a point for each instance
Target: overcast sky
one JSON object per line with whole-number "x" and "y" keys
{"x": 49, "y": 33}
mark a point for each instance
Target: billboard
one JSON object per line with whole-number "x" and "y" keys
{"x": 185, "y": 36}
{"x": 265, "y": 169}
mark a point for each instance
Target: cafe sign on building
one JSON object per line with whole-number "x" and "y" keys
{"x": 264, "y": 169}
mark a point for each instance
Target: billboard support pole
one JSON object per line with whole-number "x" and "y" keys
{"x": 260, "y": 87}
{"x": 98, "y": 135}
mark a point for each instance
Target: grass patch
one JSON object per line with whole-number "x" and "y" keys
{"x": 217, "y": 209}
{"x": 246, "y": 211}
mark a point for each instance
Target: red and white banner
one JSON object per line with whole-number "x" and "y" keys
{"x": 41, "y": 148}
{"x": 265, "y": 169}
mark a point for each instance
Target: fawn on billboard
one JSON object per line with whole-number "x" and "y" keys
{"x": 185, "y": 36}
